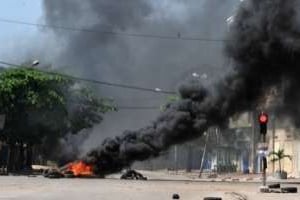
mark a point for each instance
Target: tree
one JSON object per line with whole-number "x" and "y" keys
{"x": 170, "y": 99}
{"x": 42, "y": 107}
{"x": 278, "y": 156}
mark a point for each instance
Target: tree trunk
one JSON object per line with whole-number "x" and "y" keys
{"x": 279, "y": 165}
{"x": 28, "y": 157}
{"x": 11, "y": 158}
{"x": 16, "y": 161}
{"x": 4, "y": 158}
{"x": 21, "y": 157}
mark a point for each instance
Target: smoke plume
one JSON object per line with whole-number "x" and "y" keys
{"x": 134, "y": 60}
{"x": 263, "y": 44}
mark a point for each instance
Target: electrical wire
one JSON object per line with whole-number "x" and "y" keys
{"x": 122, "y": 107}
{"x": 177, "y": 36}
{"x": 80, "y": 104}
{"x": 138, "y": 108}
{"x": 99, "y": 82}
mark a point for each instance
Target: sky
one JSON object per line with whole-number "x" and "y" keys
{"x": 29, "y": 11}
{"x": 25, "y": 10}
{"x": 21, "y": 10}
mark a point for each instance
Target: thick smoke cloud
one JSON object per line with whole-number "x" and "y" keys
{"x": 138, "y": 61}
{"x": 134, "y": 60}
{"x": 263, "y": 45}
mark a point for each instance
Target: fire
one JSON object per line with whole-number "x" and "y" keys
{"x": 80, "y": 168}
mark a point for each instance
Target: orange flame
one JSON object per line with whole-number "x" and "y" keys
{"x": 80, "y": 168}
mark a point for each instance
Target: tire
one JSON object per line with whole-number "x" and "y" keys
{"x": 175, "y": 196}
{"x": 289, "y": 190}
{"x": 274, "y": 186}
{"x": 212, "y": 198}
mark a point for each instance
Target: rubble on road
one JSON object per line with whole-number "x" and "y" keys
{"x": 54, "y": 174}
{"x": 235, "y": 195}
{"x": 133, "y": 175}
{"x": 289, "y": 190}
{"x": 69, "y": 174}
{"x": 274, "y": 186}
{"x": 212, "y": 198}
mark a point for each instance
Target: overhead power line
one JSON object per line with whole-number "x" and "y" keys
{"x": 99, "y": 82}
{"x": 138, "y": 107}
{"x": 176, "y": 36}
{"x": 122, "y": 107}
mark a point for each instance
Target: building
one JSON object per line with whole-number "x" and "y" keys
{"x": 217, "y": 150}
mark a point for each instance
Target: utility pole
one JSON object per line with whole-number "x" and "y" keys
{"x": 176, "y": 158}
{"x": 203, "y": 154}
{"x": 273, "y": 140}
{"x": 189, "y": 159}
{"x": 253, "y": 143}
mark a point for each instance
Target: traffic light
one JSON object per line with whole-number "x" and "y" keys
{"x": 263, "y": 120}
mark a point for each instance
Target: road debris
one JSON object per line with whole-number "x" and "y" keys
{"x": 237, "y": 196}
{"x": 133, "y": 175}
{"x": 175, "y": 196}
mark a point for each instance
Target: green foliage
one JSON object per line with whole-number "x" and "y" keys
{"x": 43, "y": 107}
{"x": 31, "y": 88}
{"x": 170, "y": 99}
{"x": 278, "y": 156}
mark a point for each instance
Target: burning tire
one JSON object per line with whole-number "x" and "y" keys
{"x": 54, "y": 174}
{"x": 77, "y": 169}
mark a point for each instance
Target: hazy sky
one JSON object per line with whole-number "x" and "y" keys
{"x": 25, "y": 10}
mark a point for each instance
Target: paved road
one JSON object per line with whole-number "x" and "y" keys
{"x": 38, "y": 188}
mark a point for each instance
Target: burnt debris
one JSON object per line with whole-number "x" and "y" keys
{"x": 133, "y": 175}
{"x": 53, "y": 174}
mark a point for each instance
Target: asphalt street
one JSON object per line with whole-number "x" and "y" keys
{"x": 37, "y": 188}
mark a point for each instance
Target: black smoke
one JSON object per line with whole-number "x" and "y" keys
{"x": 133, "y": 60}
{"x": 265, "y": 48}
{"x": 263, "y": 45}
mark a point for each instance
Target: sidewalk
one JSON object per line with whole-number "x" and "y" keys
{"x": 165, "y": 175}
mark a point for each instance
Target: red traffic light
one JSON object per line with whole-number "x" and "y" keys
{"x": 263, "y": 118}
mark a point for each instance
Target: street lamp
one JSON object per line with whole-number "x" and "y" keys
{"x": 196, "y": 75}
{"x": 35, "y": 63}
{"x": 157, "y": 89}
{"x": 202, "y": 76}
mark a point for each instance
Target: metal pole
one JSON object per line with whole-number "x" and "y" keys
{"x": 263, "y": 164}
{"x": 253, "y": 142}
{"x": 203, "y": 155}
{"x": 175, "y": 158}
{"x": 273, "y": 141}
{"x": 189, "y": 158}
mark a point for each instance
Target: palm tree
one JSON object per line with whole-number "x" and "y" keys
{"x": 278, "y": 156}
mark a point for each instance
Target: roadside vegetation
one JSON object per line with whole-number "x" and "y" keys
{"x": 39, "y": 109}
